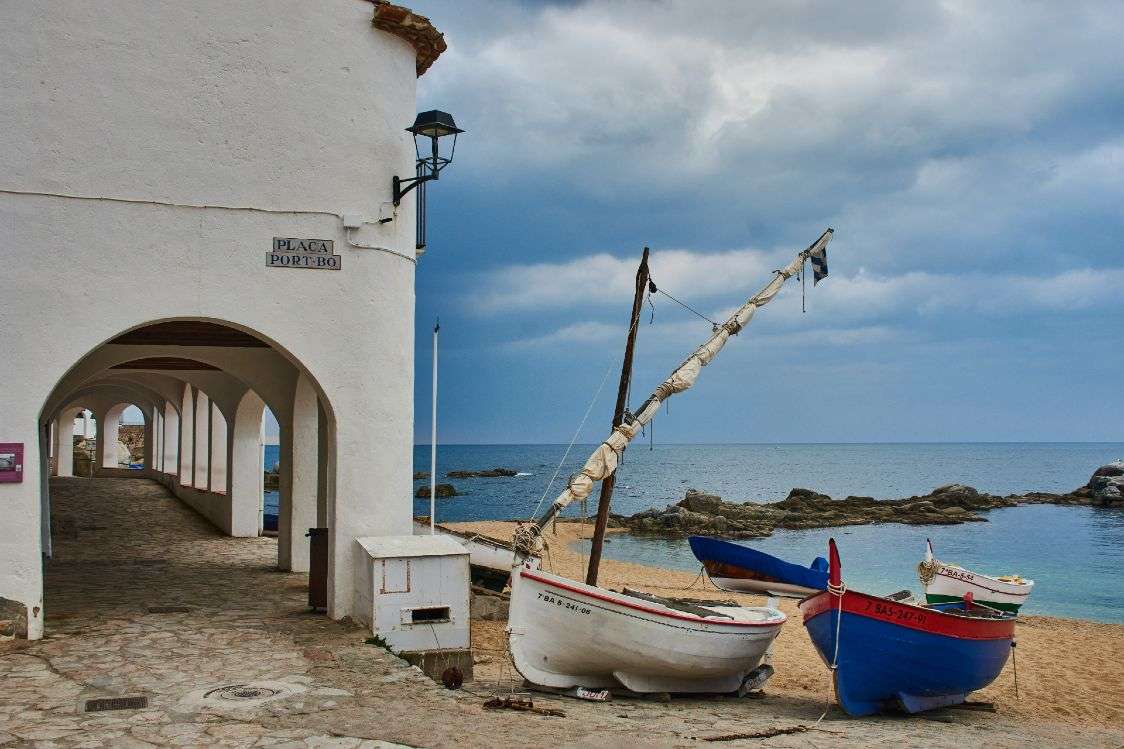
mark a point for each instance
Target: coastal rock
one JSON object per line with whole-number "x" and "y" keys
{"x": 421, "y": 475}
{"x": 704, "y": 514}
{"x": 1106, "y": 487}
{"x": 956, "y": 490}
{"x": 1115, "y": 468}
{"x": 443, "y": 491}
{"x": 800, "y": 495}
{"x": 696, "y": 501}
{"x": 487, "y": 474}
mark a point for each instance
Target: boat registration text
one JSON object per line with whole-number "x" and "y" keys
{"x": 549, "y": 599}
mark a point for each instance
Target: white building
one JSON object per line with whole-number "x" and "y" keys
{"x": 151, "y": 152}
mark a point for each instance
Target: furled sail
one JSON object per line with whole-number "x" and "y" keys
{"x": 604, "y": 460}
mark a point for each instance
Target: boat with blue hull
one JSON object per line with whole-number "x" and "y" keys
{"x": 888, "y": 654}
{"x": 741, "y": 569}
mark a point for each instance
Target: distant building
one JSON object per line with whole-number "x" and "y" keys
{"x": 150, "y": 153}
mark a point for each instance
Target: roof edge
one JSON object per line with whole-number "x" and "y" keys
{"x": 426, "y": 40}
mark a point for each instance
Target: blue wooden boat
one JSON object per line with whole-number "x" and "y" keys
{"x": 741, "y": 569}
{"x": 889, "y": 653}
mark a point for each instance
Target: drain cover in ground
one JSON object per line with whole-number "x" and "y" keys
{"x": 239, "y": 696}
{"x": 242, "y": 693}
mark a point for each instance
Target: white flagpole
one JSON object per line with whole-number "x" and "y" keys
{"x": 433, "y": 440}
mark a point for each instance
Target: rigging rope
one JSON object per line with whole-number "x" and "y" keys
{"x": 837, "y": 591}
{"x": 692, "y": 310}
{"x": 573, "y": 439}
{"x": 1015, "y": 668}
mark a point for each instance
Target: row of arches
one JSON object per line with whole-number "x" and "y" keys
{"x": 203, "y": 389}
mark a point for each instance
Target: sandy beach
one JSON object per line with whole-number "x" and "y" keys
{"x": 1068, "y": 669}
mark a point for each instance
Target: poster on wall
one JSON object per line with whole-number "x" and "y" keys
{"x": 11, "y": 462}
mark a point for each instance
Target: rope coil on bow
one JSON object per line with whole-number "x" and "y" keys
{"x": 927, "y": 571}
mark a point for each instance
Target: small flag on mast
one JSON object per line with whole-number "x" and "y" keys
{"x": 817, "y": 253}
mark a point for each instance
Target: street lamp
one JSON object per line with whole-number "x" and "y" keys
{"x": 433, "y": 125}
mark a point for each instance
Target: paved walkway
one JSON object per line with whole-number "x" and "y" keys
{"x": 247, "y": 665}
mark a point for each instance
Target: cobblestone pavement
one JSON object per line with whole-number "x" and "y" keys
{"x": 247, "y": 665}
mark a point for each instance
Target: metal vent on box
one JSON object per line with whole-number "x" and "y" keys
{"x": 430, "y": 614}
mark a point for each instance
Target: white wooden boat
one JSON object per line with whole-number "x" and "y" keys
{"x": 566, "y": 634}
{"x": 945, "y": 583}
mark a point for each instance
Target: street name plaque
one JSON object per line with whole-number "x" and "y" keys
{"x": 313, "y": 254}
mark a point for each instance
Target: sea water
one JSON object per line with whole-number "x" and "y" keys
{"x": 1074, "y": 554}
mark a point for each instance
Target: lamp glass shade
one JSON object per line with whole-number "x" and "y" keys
{"x": 434, "y": 124}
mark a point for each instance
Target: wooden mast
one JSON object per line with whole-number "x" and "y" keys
{"x": 618, "y": 418}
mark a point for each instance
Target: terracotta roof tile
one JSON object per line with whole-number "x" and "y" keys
{"x": 427, "y": 41}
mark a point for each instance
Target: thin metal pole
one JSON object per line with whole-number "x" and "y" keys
{"x": 618, "y": 418}
{"x": 433, "y": 440}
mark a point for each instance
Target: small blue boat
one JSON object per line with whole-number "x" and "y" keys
{"x": 888, "y": 653}
{"x": 744, "y": 570}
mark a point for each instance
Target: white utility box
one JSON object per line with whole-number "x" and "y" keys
{"x": 414, "y": 592}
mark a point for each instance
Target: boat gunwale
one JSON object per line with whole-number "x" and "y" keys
{"x": 957, "y": 627}
{"x": 649, "y": 610}
{"x": 1028, "y": 585}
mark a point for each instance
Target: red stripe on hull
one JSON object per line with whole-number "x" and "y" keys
{"x": 647, "y": 609}
{"x": 912, "y": 617}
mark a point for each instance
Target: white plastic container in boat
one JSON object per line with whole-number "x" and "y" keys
{"x": 565, "y": 634}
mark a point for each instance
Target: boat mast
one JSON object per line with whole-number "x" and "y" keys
{"x": 433, "y": 440}
{"x": 603, "y": 462}
{"x": 618, "y": 419}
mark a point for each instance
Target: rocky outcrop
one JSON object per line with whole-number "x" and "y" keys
{"x": 488, "y": 474}
{"x": 704, "y": 514}
{"x": 132, "y": 436}
{"x": 1106, "y": 487}
{"x": 442, "y": 491}
{"x": 13, "y": 620}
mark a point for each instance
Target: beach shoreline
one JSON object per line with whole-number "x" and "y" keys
{"x": 1067, "y": 669}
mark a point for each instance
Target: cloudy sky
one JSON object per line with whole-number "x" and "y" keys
{"x": 970, "y": 157}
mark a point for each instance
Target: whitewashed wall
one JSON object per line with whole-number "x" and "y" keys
{"x": 287, "y": 112}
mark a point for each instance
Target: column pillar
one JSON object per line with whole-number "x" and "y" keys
{"x": 202, "y": 479}
{"x": 64, "y": 444}
{"x": 187, "y": 437}
{"x": 151, "y": 449}
{"x": 102, "y": 423}
{"x": 303, "y": 472}
{"x": 245, "y": 466}
{"x": 171, "y": 442}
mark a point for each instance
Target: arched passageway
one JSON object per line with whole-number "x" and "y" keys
{"x": 203, "y": 410}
